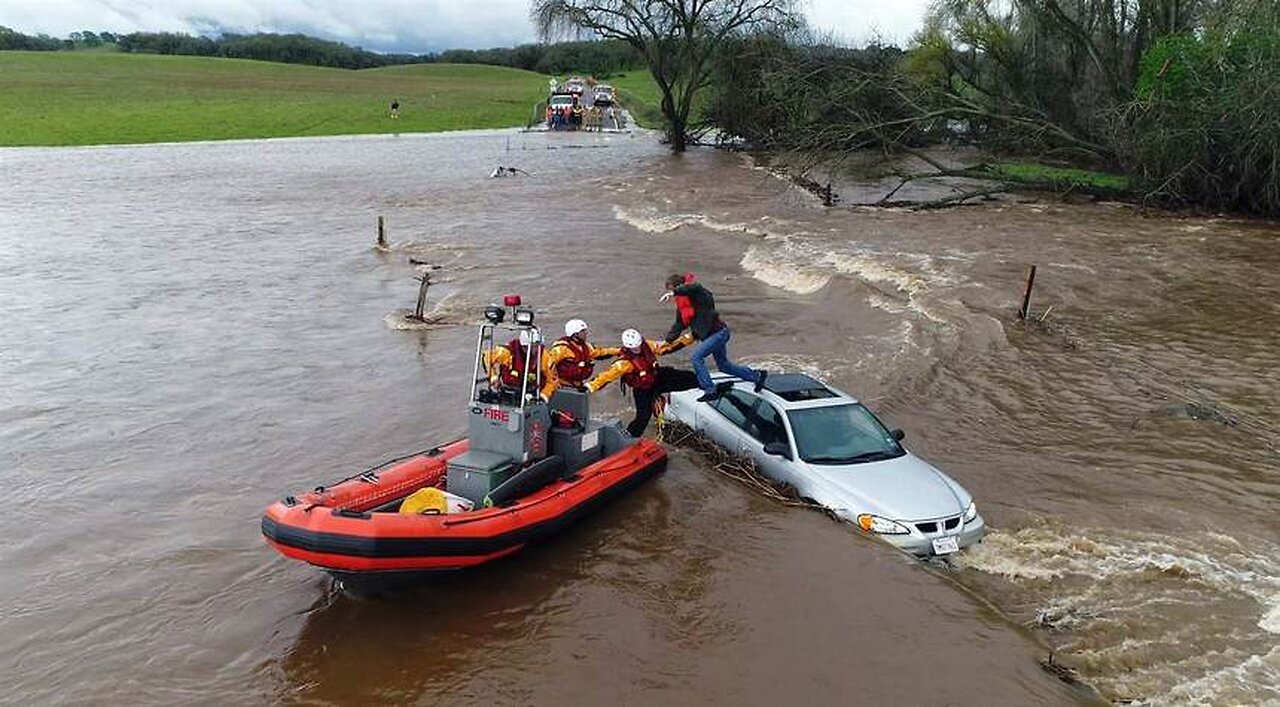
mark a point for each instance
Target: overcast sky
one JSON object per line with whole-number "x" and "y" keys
{"x": 415, "y": 26}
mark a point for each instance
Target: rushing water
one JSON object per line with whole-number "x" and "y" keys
{"x": 191, "y": 331}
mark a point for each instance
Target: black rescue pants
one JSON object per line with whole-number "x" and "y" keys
{"x": 666, "y": 380}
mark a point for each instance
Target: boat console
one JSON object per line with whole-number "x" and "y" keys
{"x": 519, "y": 441}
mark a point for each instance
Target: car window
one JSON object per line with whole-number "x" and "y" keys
{"x": 736, "y": 406}
{"x": 769, "y": 427}
{"x": 841, "y": 434}
{"x": 752, "y": 415}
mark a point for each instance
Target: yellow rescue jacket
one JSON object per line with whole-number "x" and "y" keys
{"x": 499, "y": 364}
{"x": 622, "y": 366}
{"x": 562, "y": 353}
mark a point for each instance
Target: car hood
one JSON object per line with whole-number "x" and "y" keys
{"x": 905, "y": 488}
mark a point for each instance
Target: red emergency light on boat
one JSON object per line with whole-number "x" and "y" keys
{"x": 511, "y": 301}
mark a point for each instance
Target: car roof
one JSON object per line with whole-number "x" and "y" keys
{"x": 796, "y": 390}
{"x": 793, "y": 383}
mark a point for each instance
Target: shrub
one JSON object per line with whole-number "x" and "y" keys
{"x": 1205, "y": 121}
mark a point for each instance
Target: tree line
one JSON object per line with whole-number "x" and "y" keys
{"x": 1182, "y": 96}
{"x": 599, "y": 58}
{"x": 12, "y": 39}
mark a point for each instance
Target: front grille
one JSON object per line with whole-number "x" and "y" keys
{"x": 932, "y": 526}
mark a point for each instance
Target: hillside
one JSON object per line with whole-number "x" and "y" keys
{"x": 77, "y": 98}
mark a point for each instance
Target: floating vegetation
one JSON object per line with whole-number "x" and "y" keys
{"x": 739, "y": 468}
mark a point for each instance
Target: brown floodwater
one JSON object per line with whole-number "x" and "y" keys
{"x": 191, "y": 331}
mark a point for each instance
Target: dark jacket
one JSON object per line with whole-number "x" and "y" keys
{"x": 705, "y": 321}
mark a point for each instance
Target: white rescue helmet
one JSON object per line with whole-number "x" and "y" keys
{"x": 574, "y": 326}
{"x": 631, "y": 339}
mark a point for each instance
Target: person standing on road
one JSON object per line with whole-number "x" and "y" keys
{"x": 637, "y": 366}
{"x": 696, "y": 311}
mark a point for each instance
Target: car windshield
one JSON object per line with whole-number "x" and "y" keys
{"x": 562, "y": 100}
{"x": 841, "y": 434}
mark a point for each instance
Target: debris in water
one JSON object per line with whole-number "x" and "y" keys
{"x": 739, "y": 468}
{"x": 405, "y": 320}
{"x": 1060, "y": 671}
{"x": 1203, "y": 412}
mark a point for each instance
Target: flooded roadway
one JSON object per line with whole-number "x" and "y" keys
{"x": 192, "y": 331}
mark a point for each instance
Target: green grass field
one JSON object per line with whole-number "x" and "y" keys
{"x": 88, "y": 98}
{"x": 1063, "y": 176}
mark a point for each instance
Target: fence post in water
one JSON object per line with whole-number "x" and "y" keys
{"x": 1026, "y": 295}
{"x": 382, "y": 234}
{"x": 826, "y": 196}
{"x": 422, "y": 296}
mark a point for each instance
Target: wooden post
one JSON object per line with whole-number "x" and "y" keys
{"x": 382, "y": 234}
{"x": 826, "y": 196}
{"x": 422, "y": 296}
{"x": 1026, "y": 296}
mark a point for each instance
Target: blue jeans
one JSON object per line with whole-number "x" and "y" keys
{"x": 717, "y": 345}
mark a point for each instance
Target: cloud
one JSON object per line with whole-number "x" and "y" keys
{"x": 382, "y": 25}
{"x": 386, "y": 25}
{"x": 860, "y": 21}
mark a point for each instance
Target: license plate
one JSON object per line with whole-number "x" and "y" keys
{"x": 946, "y": 546}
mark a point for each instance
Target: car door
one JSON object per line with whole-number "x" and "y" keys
{"x": 746, "y": 424}
{"x": 726, "y": 422}
{"x": 768, "y": 427}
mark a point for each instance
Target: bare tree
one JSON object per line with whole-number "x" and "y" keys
{"x": 677, "y": 39}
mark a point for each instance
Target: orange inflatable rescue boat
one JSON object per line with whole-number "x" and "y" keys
{"x": 516, "y": 479}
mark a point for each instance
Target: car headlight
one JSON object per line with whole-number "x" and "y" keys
{"x": 970, "y": 513}
{"x": 881, "y": 526}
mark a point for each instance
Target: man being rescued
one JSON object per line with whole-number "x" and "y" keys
{"x": 638, "y": 367}
{"x": 570, "y": 361}
{"x": 696, "y": 312}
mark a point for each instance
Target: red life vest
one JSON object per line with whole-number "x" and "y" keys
{"x": 644, "y": 367}
{"x": 577, "y": 368}
{"x": 684, "y": 305}
{"x": 512, "y": 374}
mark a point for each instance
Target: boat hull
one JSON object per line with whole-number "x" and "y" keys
{"x": 335, "y": 529}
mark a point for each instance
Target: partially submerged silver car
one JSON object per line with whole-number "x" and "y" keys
{"x": 833, "y": 450}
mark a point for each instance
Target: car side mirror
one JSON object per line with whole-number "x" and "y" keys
{"x": 897, "y": 435}
{"x": 778, "y": 449}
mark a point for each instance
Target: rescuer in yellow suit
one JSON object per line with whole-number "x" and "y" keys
{"x": 505, "y": 364}
{"x": 570, "y": 361}
{"x": 637, "y": 366}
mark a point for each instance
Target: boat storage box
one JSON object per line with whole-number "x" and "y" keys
{"x": 474, "y": 473}
{"x": 576, "y": 448}
{"x": 519, "y": 434}
{"x": 573, "y": 402}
